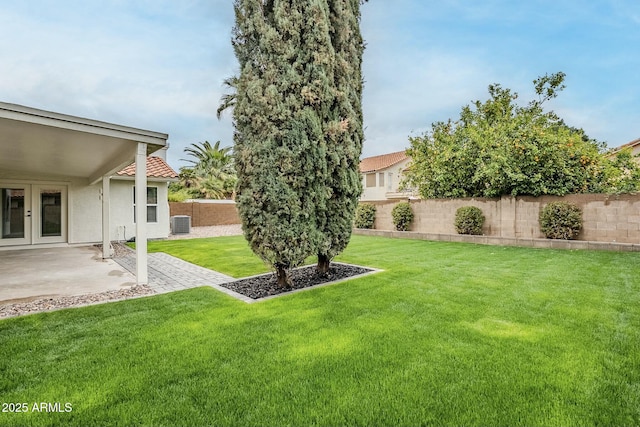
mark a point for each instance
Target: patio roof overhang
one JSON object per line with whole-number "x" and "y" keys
{"x": 38, "y": 142}
{"x": 35, "y": 141}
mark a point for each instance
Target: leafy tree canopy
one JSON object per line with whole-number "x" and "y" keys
{"x": 499, "y": 148}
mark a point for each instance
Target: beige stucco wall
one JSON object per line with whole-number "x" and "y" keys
{"x": 85, "y": 213}
{"x": 379, "y": 192}
{"x": 122, "y": 224}
{"x": 84, "y": 202}
{"x": 606, "y": 218}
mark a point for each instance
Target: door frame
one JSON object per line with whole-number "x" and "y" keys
{"x": 27, "y": 225}
{"x": 36, "y": 214}
{"x": 32, "y": 212}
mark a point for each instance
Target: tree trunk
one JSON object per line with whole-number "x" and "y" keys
{"x": 284, "y": 281}
{"x": 324, "y": 263}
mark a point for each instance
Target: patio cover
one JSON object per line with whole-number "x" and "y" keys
{"x": 38, "y": 142}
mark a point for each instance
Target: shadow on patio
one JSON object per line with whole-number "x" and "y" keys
{"x": 29, "y": 274}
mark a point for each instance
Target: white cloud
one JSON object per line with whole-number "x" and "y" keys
{"x": 159, "y": 64}
{"x": 408, "y": 92}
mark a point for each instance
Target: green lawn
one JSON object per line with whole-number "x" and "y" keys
{"x": 449, "y": 334}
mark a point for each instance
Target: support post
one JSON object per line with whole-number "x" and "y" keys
{"x": 106, "y": 217}
{"x": 142, "y": 275}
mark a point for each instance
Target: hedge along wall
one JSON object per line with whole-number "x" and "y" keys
{"x": 606, "y": 218}
{"x": 207, "y": 213}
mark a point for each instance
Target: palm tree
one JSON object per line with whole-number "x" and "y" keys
{"x": 228, "y": 100}
{"x": 208, "y": 157}
{"x": 212, "y": 173}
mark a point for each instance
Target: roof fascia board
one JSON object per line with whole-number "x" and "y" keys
{"x": 149, "y": 178}
{"x": 64, "y": 121}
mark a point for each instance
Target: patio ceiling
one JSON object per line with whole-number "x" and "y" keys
{"x": 38, "y": 142}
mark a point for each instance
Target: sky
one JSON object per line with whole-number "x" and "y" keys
{"x": 159, "y": 64}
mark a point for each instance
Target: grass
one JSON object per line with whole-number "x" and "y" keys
{"x": 449, "y": 334}
{"x": 229, "y": 255}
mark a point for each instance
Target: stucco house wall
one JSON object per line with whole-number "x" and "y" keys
{"x": 122, "y": 216}
{"x": 84, "y": 208}
{"x": 381, "y": 176}
{"x": 56, "y": 172}
{"x": 85, "y": 213}
{"x": 383, "y": 184}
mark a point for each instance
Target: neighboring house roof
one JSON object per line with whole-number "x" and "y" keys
{"x": 629, "y": 144}
{"x": 633, "y": 144}
{"x": 376, "y": 163}
{"x": 156, "y": 168}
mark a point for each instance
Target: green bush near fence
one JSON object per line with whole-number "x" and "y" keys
{"x": 365, "y": 215}
{"x": 561, "y": 220}
{"x": 402, "y": 215}
{"x": 469, "y": 220}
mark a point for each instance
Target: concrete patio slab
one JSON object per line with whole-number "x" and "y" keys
{"x": 29, "y": 274}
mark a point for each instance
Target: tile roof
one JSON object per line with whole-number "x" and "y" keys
{"x": 629, "y": 144}
{"x": 156, "y": 168}
{"x": 375, "y": 163}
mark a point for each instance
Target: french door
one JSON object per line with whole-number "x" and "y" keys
{"x": 32, "y": 213}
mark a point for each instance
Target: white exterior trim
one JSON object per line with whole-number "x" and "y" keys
{"x": 106, "y": 217}
{"x": 142, "y": 274}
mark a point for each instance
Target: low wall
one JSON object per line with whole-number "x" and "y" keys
{"x": 207, "y": 213}
{"x": 503, "y": 241}
{"x": 606, "y": 218}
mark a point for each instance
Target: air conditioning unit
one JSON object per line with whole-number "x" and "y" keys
{"x": 181, "y": 224}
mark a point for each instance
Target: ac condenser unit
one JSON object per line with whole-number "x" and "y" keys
{"x": 181, "y": 224}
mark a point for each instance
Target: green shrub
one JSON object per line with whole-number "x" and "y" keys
{"x": 402, "y": 216}
{"x": 469, "y": 220}
{"x": 179, "y": 195}
{"x": 365, "y": 215}
{"x": 561, "y": 220}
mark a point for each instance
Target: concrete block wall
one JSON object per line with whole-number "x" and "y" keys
{"x": 606, "y": 218}
{"x": 207, "y": 214}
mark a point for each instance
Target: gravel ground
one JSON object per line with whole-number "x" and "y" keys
{"x": 266, "y": 285}
{"x": 28, "y": 306}
{"x": 57, "y": 303}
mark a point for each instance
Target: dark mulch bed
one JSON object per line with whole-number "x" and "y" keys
{"x": 266, "y": 285}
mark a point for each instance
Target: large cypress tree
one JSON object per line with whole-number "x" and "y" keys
{"x": 298, "y": 125}
{"x": 279, "y": 142}
{"x": 343, "y": 131}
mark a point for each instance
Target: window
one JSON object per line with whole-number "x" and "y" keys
{"x": 371, "y": 180}
{"x": 381, "y": 179}
{"x": 390, "y": 182}
{"x": 152, "y": 204}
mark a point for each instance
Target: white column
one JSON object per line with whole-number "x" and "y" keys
{"x": 106, "y": 217}
{"x": 142, "y": 275}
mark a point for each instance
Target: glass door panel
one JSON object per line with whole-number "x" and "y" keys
{"x": 15, "y": 215}
{"x": 50, "y": 219}
{"x": 12, "y": 213}
{"x": 50, "y": 213}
